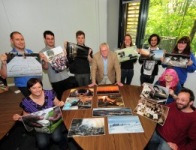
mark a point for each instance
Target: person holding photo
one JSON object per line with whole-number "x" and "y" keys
{"x": 18, "y": 43}
{"x": 183, "y": 46}
{"x": 178, "y": 131}
{"x": 169, "y": 79}
{"x": 150, "y": 67}
{"x": 40, "y": 99}
{"x": 127, "y": 67}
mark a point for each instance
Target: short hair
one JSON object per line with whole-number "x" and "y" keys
{"x": 78, "y": 33}
{"x": 154, "y": 35}
{"x": 104, "y": 44}
{"x": 187, "y": 50}
{"x": 47, "y": 32}
{"x": 123, "y": 44}
{"x": 173, "y": 73}
{"x": 14, "y": 32}
{"x": 186, "y": 90}
{"x": 31, "y": 82}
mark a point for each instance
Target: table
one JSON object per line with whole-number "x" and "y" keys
{"x": 131, "y": 141}
{"x": 9, "y": 105}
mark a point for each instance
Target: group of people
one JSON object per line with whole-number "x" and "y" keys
{"x": 105, "y": 68}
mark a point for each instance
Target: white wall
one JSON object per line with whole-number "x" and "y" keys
{"x": 97, "y": 18}
{"x": 63, "y": 17}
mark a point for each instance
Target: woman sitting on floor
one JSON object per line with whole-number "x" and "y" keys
{"x": 40, "y": 99}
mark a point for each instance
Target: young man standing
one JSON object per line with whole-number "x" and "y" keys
{"x": 59, "y": 80}
{"x": 82, "y": 65}
{"x": 18, "y": 44}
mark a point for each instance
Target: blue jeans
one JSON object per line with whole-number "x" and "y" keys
{"x": 43, "y": 139}
{"x": 127, "y": 74}
{"x": 157, "y": 143}
{"x": 83, "y": 79}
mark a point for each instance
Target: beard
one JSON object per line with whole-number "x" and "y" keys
{"x": 182, "y": 106}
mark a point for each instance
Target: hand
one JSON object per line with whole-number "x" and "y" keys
{"x": 61, "y": 103}
{"x": 16, "y": 117}
{"x": 3, "y": 58}
{"x": 190, "y": 62}
{"x": 65, "y": 44}
{"x": 92, "y": 84}
{"x": 43, "y": 57}
{"x": 171, "y": 92}
{"x": 173, "y": 146}
{"x": 119, "y": 83}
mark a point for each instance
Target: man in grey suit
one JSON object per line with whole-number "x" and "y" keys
{"x": 105, "y": 67}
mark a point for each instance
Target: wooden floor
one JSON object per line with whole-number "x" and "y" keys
{"x": 9, "y": 105}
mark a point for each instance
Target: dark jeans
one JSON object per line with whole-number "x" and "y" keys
{"x": 43, "y": 139}
{"x": 157, "y": 143}
{"x": 146, "y": 78}
{"x": 4, "y": 81}
{"x": 61, "y": 86}
{"x": 127, "y": 74}
{"x": 24, "y": 91}
{"x": 83, "y": 79}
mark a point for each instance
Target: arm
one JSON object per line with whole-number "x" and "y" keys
{"x": 17, "y": 117}
{"x": 191, "y": 64}
{"x": 44, "y": 61}
{"x": 117, "y": 70}
{"x": 58, "y": 103}
{"x": 3, "y": 70}
{"x": 93, "y": 72}
{"x": 90, "y": 56}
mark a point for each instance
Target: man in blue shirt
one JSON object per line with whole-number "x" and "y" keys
{"x": 18, "y": 44}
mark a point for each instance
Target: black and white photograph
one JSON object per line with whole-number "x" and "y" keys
{"x": 74, "y": 50}
{"x": 23, "y": 65}
{"x": 87, "y": 127}
{"x": 111, "y": 111}
{"x": 177, "y": 60}
{"x": 152, "y": 110}
{"x": 154, "y": 92}
{"x": 127, "y": 53}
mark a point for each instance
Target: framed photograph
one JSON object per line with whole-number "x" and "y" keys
{"x": 87, "y": 127}
{"x": 152, "y": 110}
{"x": 156, "y": 93}
{"x": 112, "y": 111}
{"x": 146, "y": 54}
{"x": 45, "y": 121}
{"x": 177, "y": 60}
{"x": 127, "y": 53}
{"x": 74, "y": 50}
{"x": 23, "y": 65}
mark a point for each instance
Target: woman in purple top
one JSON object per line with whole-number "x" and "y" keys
{"x": 40, "y": 99}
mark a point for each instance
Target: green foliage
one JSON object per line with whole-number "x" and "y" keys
{"x": 172, "y": 18}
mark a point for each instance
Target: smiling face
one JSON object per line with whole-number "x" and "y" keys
{"x": 168, "y": 77}
{"x": 36, "y": 89}
{"x": 127, "y": 41}
{"x": 18, "y": 42}
{"x": 183, "y": 101}
{"x": 153, "y": 41}
{"x": 181, "y": 46}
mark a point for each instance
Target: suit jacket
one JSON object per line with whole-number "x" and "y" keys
{"x": 113, "y": 68}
